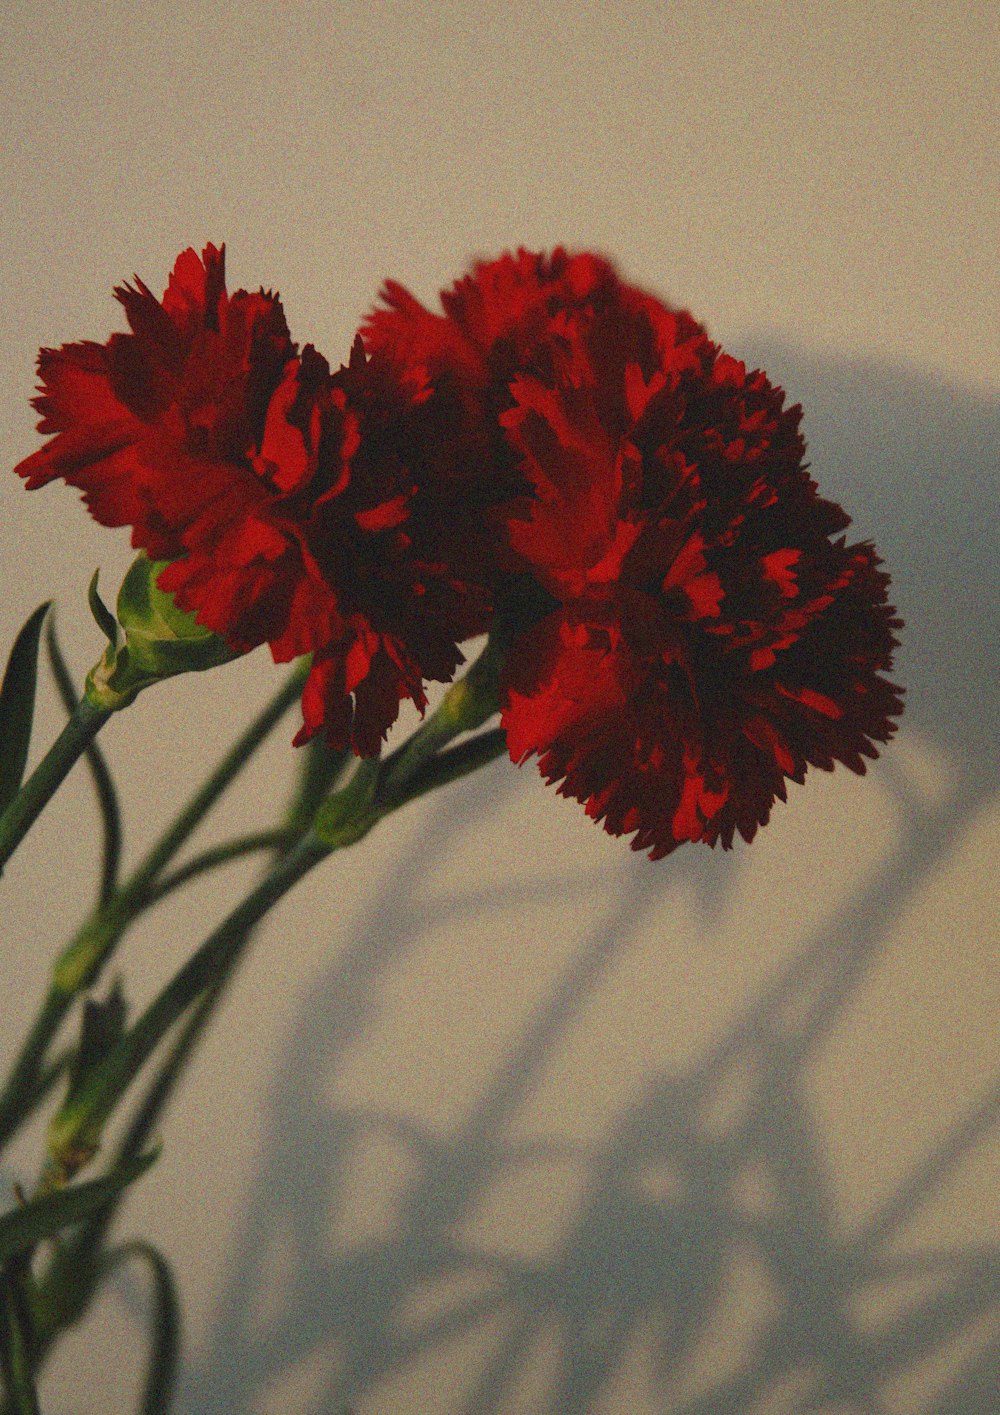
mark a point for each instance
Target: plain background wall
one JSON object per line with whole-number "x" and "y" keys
{"x": 500, "y": 1117}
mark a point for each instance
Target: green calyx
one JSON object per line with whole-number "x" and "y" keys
{"x": 380, "y": 787}
{"x": 151, "y": 639}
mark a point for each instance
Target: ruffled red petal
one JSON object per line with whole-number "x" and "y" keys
{"x": 682, "y": 750}
{"x": 313, "y": 512}
{"x": 711, "y": 637}
{"x": 689, "y": 628}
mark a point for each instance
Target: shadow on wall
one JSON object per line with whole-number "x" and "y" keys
{"x": 662, "y": 1222}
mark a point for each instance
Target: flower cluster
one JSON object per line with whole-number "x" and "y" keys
{"x": 556, "y": 456}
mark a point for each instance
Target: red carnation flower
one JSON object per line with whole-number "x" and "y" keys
{"x": 283, "y": 495}
{"x": 699, "y": 632}
{"x": 388, "y": 591}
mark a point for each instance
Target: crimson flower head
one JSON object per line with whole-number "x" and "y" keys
{"x": 689, "y": 626}
{"x": 287, "y": 499}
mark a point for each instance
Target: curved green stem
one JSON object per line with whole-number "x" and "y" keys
{"x": 375, "y": 791}
{"x": 211, "y": 859}
{"x": 75, "y": 1132}
{"x": 63, "y": 1292}
{"x": 81, "y": 729}
{"x": 25, "y": 1089}
{"x": 467, "y": 705}
{"x": 447, "y": 766}
{"x": 206, "y": 796}
{"x": 161, "y": 1375}
{"x": 81, "y": 963}
{"x": 107, "y": 797}
{"x": 67, "y": 1286}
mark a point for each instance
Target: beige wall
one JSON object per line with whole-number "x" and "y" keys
{"x": 500, "y": 1117}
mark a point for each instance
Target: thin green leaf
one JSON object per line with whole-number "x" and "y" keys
{"x": 161, "y": 1376}
{"x": 107, "y": 796}
{"x": 22, "y": 1228}
{"x": 16, "y": 1342}
{"x": 17, "y": 706}
{"x": 106, "y": 621}
{"x": 85, "y": 1244}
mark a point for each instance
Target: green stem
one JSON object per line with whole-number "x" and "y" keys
{"x": 161, "y": 1374}
{"x": 447, "y": 766}
{"x": 211, "y": 859}
{"x": 466, "y": 706}
{"x": 48, "y": 776}
{"x": 75, "y": 1132}
{"x": 24, "y": 1087}
{"x": 213, "y": 958}
{"x": 68, "y": 1285}
{"x": 104, "y": 786}
{"x": 375, "y": 790}
{"x": 370, "y": 795}
{"x": 81, "y": 963}
{"x": 201, "y": 802}
{"x": 64, "y": 1291}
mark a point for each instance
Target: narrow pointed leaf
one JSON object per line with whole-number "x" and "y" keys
{"x": 42, "y": 1218}
{"x": 161, "y": 1375}
{"x": 17, "y": 706}
{"x": 106, "y": 621}
{"x": 104, "y": 786}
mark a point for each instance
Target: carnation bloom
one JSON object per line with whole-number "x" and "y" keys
{"x": 696, "y": 629}
{"x": 284, "y": 497}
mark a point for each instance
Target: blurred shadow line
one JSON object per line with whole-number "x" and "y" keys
{"x": 627, "y": 1259}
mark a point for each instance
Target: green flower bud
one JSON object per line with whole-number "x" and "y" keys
{"x": 474, "y": 699}
{"x": 159, "y": 641}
